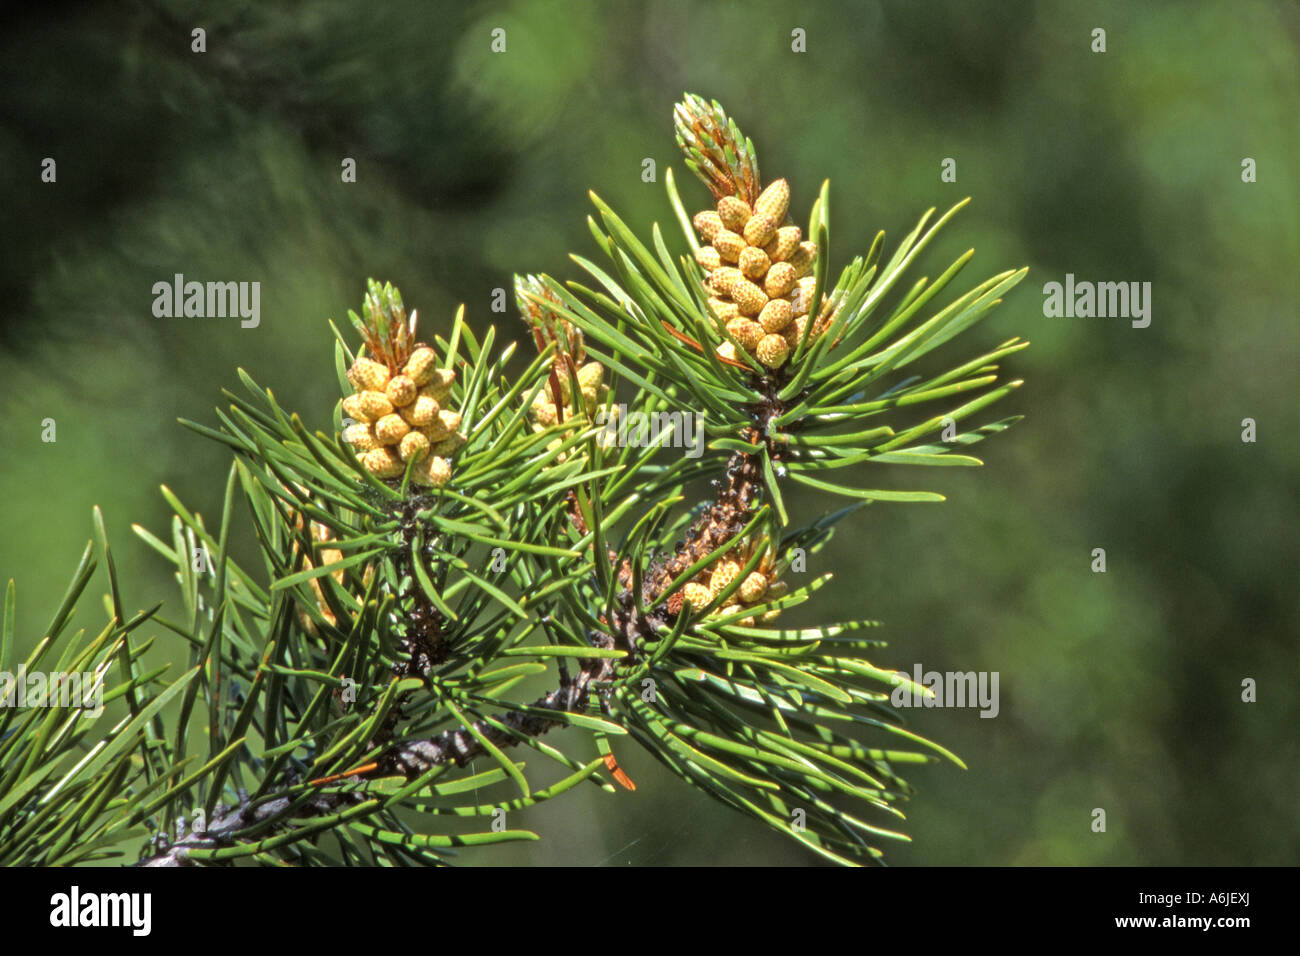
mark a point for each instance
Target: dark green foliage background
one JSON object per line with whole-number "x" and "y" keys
{"x": 1119, "y": 691}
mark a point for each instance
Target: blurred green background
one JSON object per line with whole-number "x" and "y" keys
{"x": 1118, "y": 690}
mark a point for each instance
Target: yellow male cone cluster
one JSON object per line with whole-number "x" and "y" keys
{"x": 320, "y": 554}
{"x": 400, "y": 417}
{"x": 538, "y": 305}
{"x": 592, "y": 393}
{"x": 399, "y": 396}
{"x": 759, "y": 268}
{"x": 758, "y": 274}
{"x": 321, "y": 533}
{"x": 759, "y": 587}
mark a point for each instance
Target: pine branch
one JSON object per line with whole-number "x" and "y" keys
{"x": 417, "y": 757}
{"x": 457, "y": 529}
{"x": 786, "y": 394}
{"x": 227, "y": 823}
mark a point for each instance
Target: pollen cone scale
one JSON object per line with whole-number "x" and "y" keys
{"x": 761, "y": 586}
